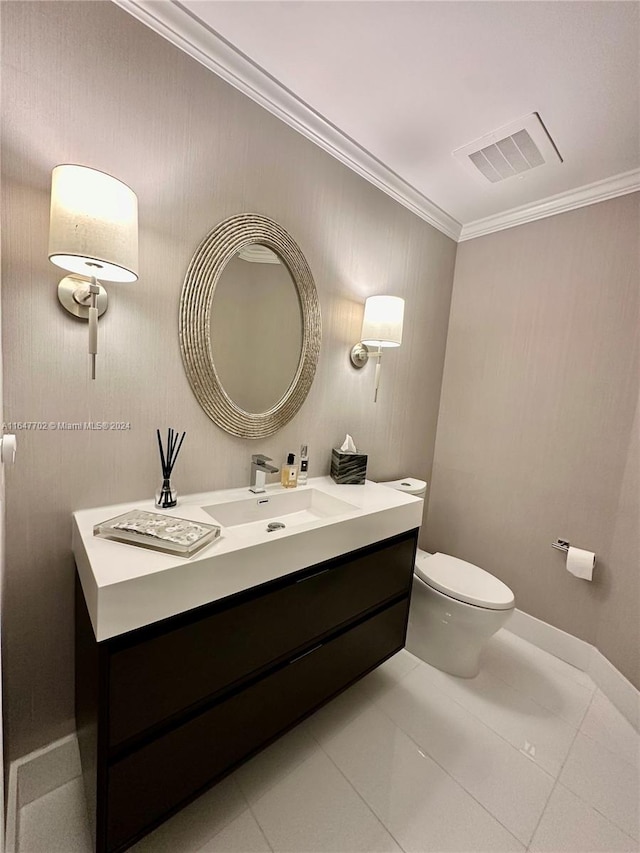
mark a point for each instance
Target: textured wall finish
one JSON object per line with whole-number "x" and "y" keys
{"x": 195, "y": 151}
{"x": 618, "y": 635}
{"x": 534, "y": 434}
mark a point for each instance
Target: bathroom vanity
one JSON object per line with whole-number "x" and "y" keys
{"x": 171, "y": 698}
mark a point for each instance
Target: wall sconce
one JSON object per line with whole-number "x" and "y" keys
{"x": 381, "y": 327}
{"x": 93, "y": 233}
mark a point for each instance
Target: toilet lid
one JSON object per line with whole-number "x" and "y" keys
{"x": 464, "y": 582}
{"x": 408, "y": 485}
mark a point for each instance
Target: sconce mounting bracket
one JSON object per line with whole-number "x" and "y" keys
{"x": 73, "y": 293}
{"x": 359, "y": 355}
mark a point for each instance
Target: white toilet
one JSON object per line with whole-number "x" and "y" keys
{"x": 456, "y": 607}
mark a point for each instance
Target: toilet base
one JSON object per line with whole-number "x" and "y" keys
{"x": 464, "y": 663}
{"x": 447, "y": 633}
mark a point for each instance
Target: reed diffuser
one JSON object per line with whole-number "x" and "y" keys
{"x": 167, "y": 496}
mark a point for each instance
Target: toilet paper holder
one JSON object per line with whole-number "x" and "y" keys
{"x": 561, "y": 545}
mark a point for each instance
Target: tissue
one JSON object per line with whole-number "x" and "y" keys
{"x": 348, "y": 445}
{"x": 581, "y": 563}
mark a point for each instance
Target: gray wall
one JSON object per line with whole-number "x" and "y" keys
{"x": 86, "y": 83}
{"x": 536, "y": 434}
{"x": 618, "y": 634}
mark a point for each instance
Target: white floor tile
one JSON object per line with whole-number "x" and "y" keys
{"x": 503, "y": 780}
{"x": 399, "y": 664}
{"x": 56, "y": 823}
{"x": 606, "y": 725}
{"x": 604, "y": 781}
{"x": 571, "y": 826}
{"x": 316, "y": 809}
{"x": 428, "y": 755}
{"x": 420, "y": 804}
{"x": 191, "y": 828}
{"x": 242, "y": 835}
{"x": 541, "y": 735}
{"x": 274, "y": 763}
{"x": 528, "y": 670}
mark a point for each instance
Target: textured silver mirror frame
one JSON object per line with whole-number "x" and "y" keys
{"x": 203, "y": 274}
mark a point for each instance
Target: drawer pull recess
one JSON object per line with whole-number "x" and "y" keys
{"x": 304, "y": 654}
{"x": 314, "y": 575}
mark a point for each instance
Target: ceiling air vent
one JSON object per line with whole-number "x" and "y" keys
{"x": 517, "y": 147}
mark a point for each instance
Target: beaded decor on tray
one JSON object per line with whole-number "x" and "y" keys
{"x": 160, "y": 532}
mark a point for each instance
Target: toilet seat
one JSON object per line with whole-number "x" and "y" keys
{"x": 463, "y": 581}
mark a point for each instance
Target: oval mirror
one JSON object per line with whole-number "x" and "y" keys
{"x": 250, "y": 326}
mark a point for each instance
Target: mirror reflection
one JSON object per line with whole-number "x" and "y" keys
{"x": 256, "y": 328}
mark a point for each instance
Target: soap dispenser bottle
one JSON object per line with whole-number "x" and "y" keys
{"x": 303, "y": 473}
{"x": 289, "y": 474}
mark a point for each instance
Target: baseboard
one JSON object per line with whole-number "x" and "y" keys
{"x": 583, "y": 656}
{"x": 616, "y": 687}
{"x": 553, "y": 640}
{"x": 34, "y": 775}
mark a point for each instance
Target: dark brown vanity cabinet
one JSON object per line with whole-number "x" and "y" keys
{"x": 165, "y": 711}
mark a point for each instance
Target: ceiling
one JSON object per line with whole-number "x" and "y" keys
{"x": 393, "y": 87}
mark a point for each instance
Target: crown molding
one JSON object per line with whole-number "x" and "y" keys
{"x": 626, "y": 182}
{"x": 175, "y": 23}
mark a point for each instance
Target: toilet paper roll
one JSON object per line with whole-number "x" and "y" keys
{"x": 581, "y": 563}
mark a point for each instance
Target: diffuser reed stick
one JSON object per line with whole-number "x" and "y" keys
{"x": 167, "y": 497}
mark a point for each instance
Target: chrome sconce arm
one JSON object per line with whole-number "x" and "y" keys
{"x": 360, "y": 355}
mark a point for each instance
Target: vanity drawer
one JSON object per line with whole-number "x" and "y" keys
{"x": 149, "y": 783}
{"x": 165, "y": 673}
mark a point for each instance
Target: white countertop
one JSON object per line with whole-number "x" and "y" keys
{"x": 127, "y": 587}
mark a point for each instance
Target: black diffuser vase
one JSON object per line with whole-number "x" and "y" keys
{"x": 167, "y": 496}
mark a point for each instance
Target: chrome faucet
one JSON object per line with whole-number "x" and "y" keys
{"x": 259, "y": 469}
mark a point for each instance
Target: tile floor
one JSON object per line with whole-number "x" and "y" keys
{"x": 527, "y": 756}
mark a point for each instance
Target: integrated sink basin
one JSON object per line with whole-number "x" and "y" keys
{"x": 289, "y": 509}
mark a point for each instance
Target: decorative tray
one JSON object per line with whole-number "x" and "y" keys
{"x": 159, "y": 532}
